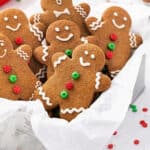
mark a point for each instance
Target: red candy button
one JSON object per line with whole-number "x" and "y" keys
{"x": 110, "y": 146}
{"x": 7, "y": 69}
{"x": 69, "y": 86}
{"x": 16, "y": 89}
{"x": 136, "y": 142}
{"x": 19, "y": 41}
{"x": 113, "y": 37}
{"x": 109, "y": 54}
{"x": 145, "y": 109}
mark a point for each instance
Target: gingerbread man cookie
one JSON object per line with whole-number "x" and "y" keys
{"x": 63, "y": 36}
{"x": 75, "y": 81}
{"x": 115, "y": 37}
{"x": 62, "y": 9}
{"x": 17, "y": 82}
{"x": 14, "y": 24}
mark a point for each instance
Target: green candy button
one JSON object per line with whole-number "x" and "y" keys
{"x": 64, "y": 94}
{"x": 12, "y": 78}
{"x": 75, "y": 75}
{"x": 68, "y": 52}
{"x": 111, "y": 46}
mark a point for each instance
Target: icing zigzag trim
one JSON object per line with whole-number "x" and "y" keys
{"x": 95, "y": 25}
{"x": 45, "y": 50}
{"x": 60, "y": 59}
{"x": 36, "y": 18}
{"x": 41, "y": 73}
{"x": 72, "y": 110}
{"x": 81, "y": 11}
{"x": 132, "y": 39}
{"x": 22, "y": 54}
{"x": 97, "y": 80}
{"x": 35, "y": 30}
{"x": 84, "y": 40}
{"x": 114, "y": 73}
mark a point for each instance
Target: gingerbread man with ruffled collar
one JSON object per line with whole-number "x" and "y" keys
{"x": 114, "y": 36}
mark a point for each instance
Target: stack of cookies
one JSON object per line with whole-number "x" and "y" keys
{"x": 61, "y": 57}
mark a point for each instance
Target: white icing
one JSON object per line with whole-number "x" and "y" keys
{"x": 41, "y": 73}
{"x": 114, "y": 73}
{"x": 118, "y": 26}
{"x": 6, "y": 19}
{"x": 22, "y": 54}
{"x": 125, "y": 18}
{"x": 96, "y": 25}
{"x": 132, "y": 39}
{"x": 59, "y": 2}
{"x": 45, "y": 50}
{"x": 86, "y": 52}
{"x": 57, "y": 29}
{"x": 36, "y": 18}
{"x": 70, "y": 36}
{"x": 81, "y": 11}
{"x": 1, "y": 42}
{"x": 44, "y": 97}
{"x": 97, "y": 80}
{"x": 38, "y": 84}
{"x": 35, "y": 30}
{"x": 115, "y": 14}
{"x": 4, "y": 54}
{"x": 14, "y": 29}
{"x": 67, "y": 28}
{"x": 59, "y": 13}
{"x": 84, "y": 40}
{"x": 82, "y": 63}
{"x": 15, "y": 17}
{"x": 72, "y": 110}
{"x": 92, "y": 56}
{"x": 60, "y": 59}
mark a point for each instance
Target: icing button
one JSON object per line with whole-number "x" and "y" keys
{"x": 109, "y": 54}
{"x": 111, "y": 46}
{"x": 69, "y": 86}
{"x": 12, "y": 78}
{"x": 19, "y": 41}
{"x": 64, "y": 94}
{"x": 75, "y": 75}
{"x": 68, "y": 52}
{"x": 7, "y": 69}
{"x": 113, "y": 37}
{"x": 16, "y": 89}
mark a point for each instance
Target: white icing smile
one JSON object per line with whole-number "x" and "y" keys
{"x": 118, "y": 26}
{"x": 70, "y": 36}
{"x": 84, "y": 64}
{"x": 4, "y": 54}
{"x": 14, "y": 29}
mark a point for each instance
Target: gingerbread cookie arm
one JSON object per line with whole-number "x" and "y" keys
{"x": 83, "y": 9}
{"x": 93, "y": 24}
{"x": 58, "y": 59}
{"x": 25, "y": 52}
{"x": 135, "y": 40}
{"x": 102, "y": 82}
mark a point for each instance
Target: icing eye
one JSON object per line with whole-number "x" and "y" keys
{"x": 15, "y": 17}
{"x": 92, "y": 56}
{"x": 67, "y": 28}
{"x": 6, "y": 19}
{"x": 125, "y": 18}
{"x": 86, "y": 52}
{"x": 57, "y": 29}
{"x": 115, "y": 14}
{"x": 1, "y": 44}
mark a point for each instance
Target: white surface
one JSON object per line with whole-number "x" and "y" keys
{"x": 128, "y": 129}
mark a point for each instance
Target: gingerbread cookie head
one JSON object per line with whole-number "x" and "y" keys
{"x": 5, "y": 45}
{"x": 16, "y": 79}
{"x": 89, "y": 56}
{"x": 57, "y": 4}
{"x": 118, "y": 17}
{"x": 63, "y": 31}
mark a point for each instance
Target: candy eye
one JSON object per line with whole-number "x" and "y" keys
{"x": 6, "y": 19}
{"x": 57, "y": 29}
{"x": 15, "y": 17}
{"x": 92, "y": 56}
{"x": 125, "y": 18}
{"x": 67, "y": 28}
{"x": 115, "y": 14}
{"x": 86, "y": 52}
